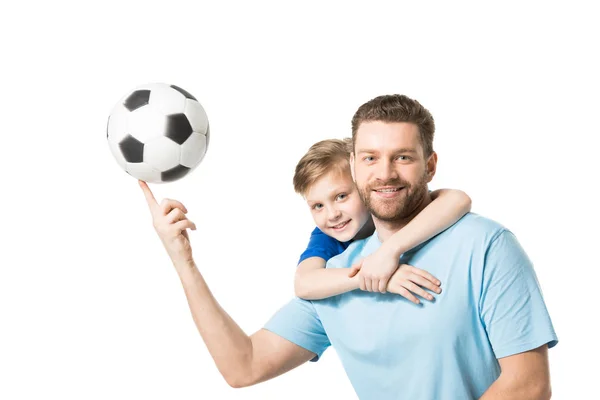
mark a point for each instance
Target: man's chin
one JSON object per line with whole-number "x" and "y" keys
{"x": 387, "y": 214}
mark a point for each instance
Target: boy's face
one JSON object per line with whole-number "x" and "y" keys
{"x": 336, "y": 206}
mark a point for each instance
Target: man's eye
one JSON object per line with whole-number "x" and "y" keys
{"x": 341, "y": 196}
{"x": 369, "y": 158}
{"x": 403, "y": 158}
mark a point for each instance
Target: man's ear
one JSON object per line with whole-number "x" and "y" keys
{"x": 431, "y": 166}
{"x": 352, "y": 167}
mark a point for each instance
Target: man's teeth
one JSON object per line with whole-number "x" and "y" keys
{"x": 388, "y": 190}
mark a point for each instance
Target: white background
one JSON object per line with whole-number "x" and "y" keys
{"x": 90, "y": 306}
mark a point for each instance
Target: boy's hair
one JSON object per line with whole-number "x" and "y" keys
{"x": 332, "y": 155}
{"x": 397, "y": 108}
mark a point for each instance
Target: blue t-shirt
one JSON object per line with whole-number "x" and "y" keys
{"x": 491, "y": 307}
{"x": 321, "y": 245}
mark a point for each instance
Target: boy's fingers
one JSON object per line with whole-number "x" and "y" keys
{"x": 148, "y": 194}
{"x": 425, "y": 283}
{"x": 427, "y": 276}
{"x": 361, "y": 283}
{"x": 417, "y": 290}
{"x": 407, "y": 295}
{"x": 354, "y": 270}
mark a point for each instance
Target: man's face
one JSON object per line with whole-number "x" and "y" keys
{"x": 336, "y": 206}
{"x": 390, "y": 169}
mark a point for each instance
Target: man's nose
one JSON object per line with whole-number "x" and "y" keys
{"x": 386, "y": 171}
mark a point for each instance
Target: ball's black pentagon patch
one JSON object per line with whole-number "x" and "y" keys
{"x": 174, "y": 173}
{"x": 178, "y": 128}
{"x": 184, "y": 92}
{"x": 137, "y": 99}
{"x": 132, "y": 149}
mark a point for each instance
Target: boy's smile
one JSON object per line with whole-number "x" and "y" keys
{"x": 336, "y": 206}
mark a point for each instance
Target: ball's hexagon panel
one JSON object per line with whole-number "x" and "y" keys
{"x": 178, "y": 128}
{"x": 167, "y": 100}
{"x": 185, "y": 93}
{"x": 193, "y": 150}
{"x": 132, "y": 149}
{"x": 117, "y": 125}
{"x": 175, "y": 173}
{"x": 137, "y": 99}
{"x": 196, "y": 115}
{"x": 146, "y": 124}
{"x": 144, "y": 172}
{"x": 162, "y": 153}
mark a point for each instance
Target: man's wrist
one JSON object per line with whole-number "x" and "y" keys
{"x": 184, "y": 265}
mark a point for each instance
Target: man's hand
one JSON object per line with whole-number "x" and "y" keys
{"x": 375, "y": 270}
{"x": 171, "y": 225}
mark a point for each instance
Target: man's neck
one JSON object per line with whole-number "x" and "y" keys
{"x": 385, "y": 229}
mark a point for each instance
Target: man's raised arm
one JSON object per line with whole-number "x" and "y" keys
{"x": 242, "y": 360}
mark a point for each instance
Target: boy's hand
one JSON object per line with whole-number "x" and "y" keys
{"x": 171, "y": 225}
{"x": 375, "y": 270}
{"x": 409, "y": 279}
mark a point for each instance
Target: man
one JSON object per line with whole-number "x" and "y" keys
{"x": 485, "y": 337}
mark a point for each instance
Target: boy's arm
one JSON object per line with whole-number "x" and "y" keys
{"x": 447, "y": 207}
{"x": 313, "y": 281}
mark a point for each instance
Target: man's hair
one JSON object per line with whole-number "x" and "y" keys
{"x": 397, "y": 108}
{"x": 323, "y": 157}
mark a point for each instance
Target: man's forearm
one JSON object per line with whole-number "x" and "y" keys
{"x": 228, "y": 344}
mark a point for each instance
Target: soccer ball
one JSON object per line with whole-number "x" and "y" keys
{"x": 158, "y": 133}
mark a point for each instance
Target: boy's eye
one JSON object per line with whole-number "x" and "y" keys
{"x": 341, "y": 196}
{"x": 317, "y": 206}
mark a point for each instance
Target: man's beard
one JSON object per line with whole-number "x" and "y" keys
{"x": 395, "y": 209}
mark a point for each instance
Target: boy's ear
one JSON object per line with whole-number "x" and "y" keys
{"x": 352, "y": 166}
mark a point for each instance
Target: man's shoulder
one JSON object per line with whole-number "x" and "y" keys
{"x": 475, "y": 224}
{"x": 471, "y": 230}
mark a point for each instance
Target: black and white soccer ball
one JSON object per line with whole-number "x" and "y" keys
{"x": 158, "y": 133}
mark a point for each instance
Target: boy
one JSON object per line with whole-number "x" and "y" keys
{"x": 324, "y": 179}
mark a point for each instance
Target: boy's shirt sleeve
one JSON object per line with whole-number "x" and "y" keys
{"x": 512, "y": 306}
{"x": 321, "y": 245}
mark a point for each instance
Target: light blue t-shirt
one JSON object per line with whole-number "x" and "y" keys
{"x": 491, "y": 307}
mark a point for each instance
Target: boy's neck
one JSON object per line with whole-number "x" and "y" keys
{"x": 385, "y": 229}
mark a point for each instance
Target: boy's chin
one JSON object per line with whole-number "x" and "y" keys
{"x": 342, "y": 236}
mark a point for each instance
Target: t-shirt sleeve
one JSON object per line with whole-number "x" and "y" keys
{"x": 299, "y": 323}
{"x": 512, "y": 306}
{"x": 321, "y": 245}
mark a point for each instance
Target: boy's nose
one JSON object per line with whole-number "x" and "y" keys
{"x": 334, "y": 215}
